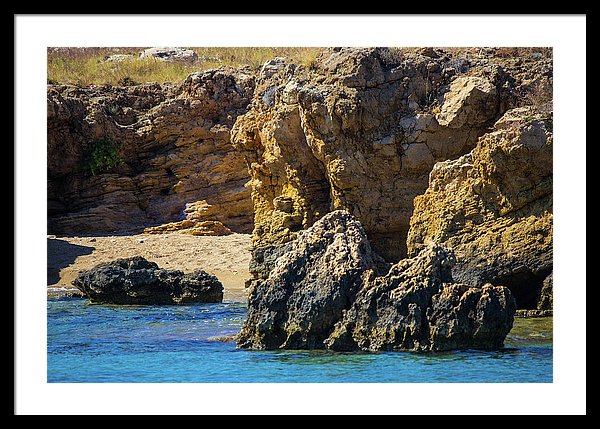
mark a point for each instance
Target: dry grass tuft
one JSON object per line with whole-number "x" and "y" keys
{"x": 86, "y": 66}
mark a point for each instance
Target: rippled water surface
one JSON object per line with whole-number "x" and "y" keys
{"x": 101, "y": 343}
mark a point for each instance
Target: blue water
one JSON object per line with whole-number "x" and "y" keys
{"x": 101, "y": 343}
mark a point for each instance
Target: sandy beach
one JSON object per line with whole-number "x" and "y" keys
{"x": 226, "y": 257}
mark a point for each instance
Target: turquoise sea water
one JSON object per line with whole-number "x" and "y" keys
{"x": 101, "y": 343}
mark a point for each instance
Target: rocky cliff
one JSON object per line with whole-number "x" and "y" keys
{"x": 493, "y": 208}
{"x": 423, "y": 147}
{"x": 361, "y": 130}
{"x": 122, "y": 158}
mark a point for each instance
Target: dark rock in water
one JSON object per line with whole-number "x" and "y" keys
{"x": 309, "y": 287}
{"x": 417, "y": 307}
{"x": 327, "y": 292}
{"x": 138, "y": 281}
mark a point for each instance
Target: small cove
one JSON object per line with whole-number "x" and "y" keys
{"x": 184, "y": 344}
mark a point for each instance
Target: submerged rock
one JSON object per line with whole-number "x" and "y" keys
{"x": 138, "y": 281}
{"x": 329, "y": 291}
{"x": 534, "y": 313}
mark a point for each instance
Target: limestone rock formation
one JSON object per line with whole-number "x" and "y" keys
{"x": 194, "y": 223}
{"x": 329, "y": 290}
{"x": 134, "y": 281}
{"x": 360, "y": 131}
{"x": 122, "y": 158}
{"x": 170, "y": 54}
{"x": 493, "y": 208}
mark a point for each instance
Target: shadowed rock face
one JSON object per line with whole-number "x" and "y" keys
{"x": 173, "y": 160}
{"x": 545, "y": 301}
{"x": 134, "y": 281}
{"x": 324, "y": 292}
{"x": 493, "y": 208}
{"x": 359, "y": 131}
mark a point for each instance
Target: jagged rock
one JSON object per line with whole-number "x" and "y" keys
{"x": 311, "y": 284}
{"x": 417, "y": 307}
{"x": 493, "y": 208}
{"x": 325, "y": 292}
{"x": 134, "y": 281}
{"x": 173, "y": 144}
{"x": 361, "y": 129}
{"x": 170, "y": 54}
{"x": 468, "y": 101}
{"x": 357, "y": 131}
{"x": 545, "y": 301}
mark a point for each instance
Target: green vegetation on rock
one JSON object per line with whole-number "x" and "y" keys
{"x": 101, "y": 156}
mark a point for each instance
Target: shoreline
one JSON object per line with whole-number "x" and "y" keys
{"x": 532, "y": 314}
{"x": 226, "y": 257}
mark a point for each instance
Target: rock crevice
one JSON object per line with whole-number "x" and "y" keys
{"x": 359, "y": 131}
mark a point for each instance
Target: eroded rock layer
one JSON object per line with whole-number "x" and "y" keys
{"x": 330, "y": 290}
{"x": 359, "y": 130}
{"x": 493, "y": 208}
{"x": 121, "y": 158}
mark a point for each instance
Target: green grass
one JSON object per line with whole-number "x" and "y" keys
{"x": 85, "y": 66}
